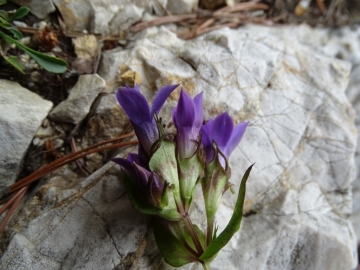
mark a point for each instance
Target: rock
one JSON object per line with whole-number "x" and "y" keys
{"x": 86, "y": 47}
{"x": 76, "y": 107}
{"x": 125, "y": 18}
{"x": 22, "y": 113}
{"x": 301, "y": 136}
{"x": 342, "y": 43}
{"x": 40, "y": 8}
{"x": 182, "y": 6}
{"x": 298, "y": 112}
{"x": 100, "y": 17}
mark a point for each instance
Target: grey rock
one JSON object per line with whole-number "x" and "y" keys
{"x": 40, "y": 8}
{"x": 301, "y": 136}
{"x": 99, "y": 16}
{"x": 76, "y": 107}
{"x": 22, "y": 113}
{"x": 182, "y": 6}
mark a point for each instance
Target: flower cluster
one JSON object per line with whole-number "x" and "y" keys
{"x": 161, "y": 178}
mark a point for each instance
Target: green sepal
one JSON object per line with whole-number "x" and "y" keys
{"x": 15, "y": 63}
{"x": 190, "y": 172}
{"x": 21, "y": 12}
{"x": 171, "y": 248}
{"x": 163, "y": 163}
{"x": 234, "y": 223}
{"x": 214, "y": 183}
{"x": 136, "y": 199}
{"x": 48, "y": 62}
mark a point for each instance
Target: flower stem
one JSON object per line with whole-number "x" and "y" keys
{"x": 193, "y": 234}
{"x": 210, "y": 230}
{"x": 206, "y": 265}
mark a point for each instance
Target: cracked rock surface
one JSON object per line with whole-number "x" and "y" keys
{"x": 301, "y": 135}
{"x": 22, "y": 113}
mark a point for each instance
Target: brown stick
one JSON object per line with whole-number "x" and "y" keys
{"x": 55, "y": 165}
{"x": 20, "y": 194}
{"x": 70, "y": 156}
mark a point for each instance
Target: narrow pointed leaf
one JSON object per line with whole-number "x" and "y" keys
{"x": 3, "y": 14}
{"x": 17, "y": 34}
{"x": 171, "y": 248}
{"x": 15, "y": 63}
{"x": 48, "y": 62}
{"x": 234, "y": 223}
{"x": 21, "y": 12}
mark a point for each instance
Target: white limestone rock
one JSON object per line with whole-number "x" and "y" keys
{"x": 40, "y": 8}
{"x": 182, "y": 6}
{"x": 99, "y": 16}
{"x": 301, "y": 136}
{"x": 22, "y": 113}
{"x": 76, "y": 107}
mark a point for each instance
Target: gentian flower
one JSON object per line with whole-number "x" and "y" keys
{"x": 188, "y": 118}
{"x": 141, "y": 115}
{"x": 224, "y": 134}
{"x": 161, "y": 178}
{"x": 147, "y": 192}
{"x": 219, "y": 139}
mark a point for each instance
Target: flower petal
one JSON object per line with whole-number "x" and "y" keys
{"x": 161, "y": 97}
{"x": 185, "y": 111}
{"x": 199, "y": 118}
{"x": 126, "y": 166}
{"x": 207, "y": 143}
{"x": 134, "y": 104}
{"x": 235, "y": 138}
{"x": 222, "y": 129}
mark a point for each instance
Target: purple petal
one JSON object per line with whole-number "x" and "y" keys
{"x": 185, "y": 111}
{"x": 198, "y": 100}
{"x": 134, "y": 104}
{"x": 126, "y": 166}
{"x": 207, "y": 144}
{"x": 156, "y": 187}
{"x": 143, "y": 175}
{"x": 161, "y": 97}
{"x": 222, "y": 129}
{"x": 147, "y": 134}
{"x": 235, "y": 138}
{"x": 136, "y": 87}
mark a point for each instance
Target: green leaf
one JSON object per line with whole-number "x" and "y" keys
{"x": 17, "y": 34}
{"x": 21, "y": 12}
{"x": 4, "y": 14}
{"x": 234, "y": 223}
{"x": 2, "y": 2}
{"x": 171, "y": 248}
{"x": 4, "y": 22}
{"x": 15, "y": 63}
{"x": 136, "y": 200}
{"x": 48, "y": 62}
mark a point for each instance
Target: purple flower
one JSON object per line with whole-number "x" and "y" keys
{"x": 141, "y": 115}
{"x": 222, "y": 131}
{"x": 147, "y": 183}
{"x": 188, "y": 118}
